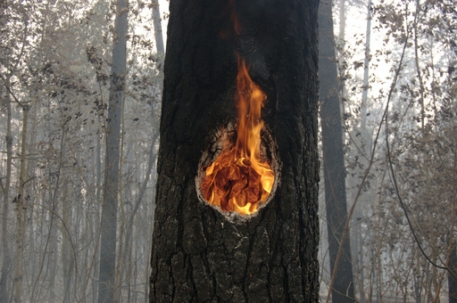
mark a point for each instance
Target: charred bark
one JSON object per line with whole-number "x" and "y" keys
{"x": 200, "y": 255}
{"x": 334, "y": 170}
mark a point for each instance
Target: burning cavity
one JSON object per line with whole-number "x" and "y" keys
{"x": 241, "y": 177}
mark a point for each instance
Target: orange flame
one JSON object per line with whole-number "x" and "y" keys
{"x": 239, "y": 179}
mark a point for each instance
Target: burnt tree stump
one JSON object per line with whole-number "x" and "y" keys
{"x": 201, "y": 254}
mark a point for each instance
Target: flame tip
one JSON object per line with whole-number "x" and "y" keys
{"x": 239, "y": 180}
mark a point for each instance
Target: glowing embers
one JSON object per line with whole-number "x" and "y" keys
{"x": 241, "y": 177}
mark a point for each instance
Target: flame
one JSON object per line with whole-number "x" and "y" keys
{"x": 239, "y": 179}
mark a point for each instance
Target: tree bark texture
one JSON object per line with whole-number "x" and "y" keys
{"x": 198, "y": 254}
{"x": 111, "y": 188}
{"x": 334, "y": 170}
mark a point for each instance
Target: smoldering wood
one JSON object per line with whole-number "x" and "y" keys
{"x": 228, "y": 134}
{"x": 198, "y": 254}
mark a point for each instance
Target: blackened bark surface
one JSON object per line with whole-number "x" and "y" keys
{"x": 199, "y": 255}
{"x": 334, "y": 170}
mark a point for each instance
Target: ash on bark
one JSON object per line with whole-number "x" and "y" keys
{"x": 198, "y": 254}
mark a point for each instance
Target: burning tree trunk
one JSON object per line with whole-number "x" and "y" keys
{"x": 204, "y": 252}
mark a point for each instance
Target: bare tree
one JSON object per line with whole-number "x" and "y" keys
{"x": 108, "y": 239}
{"x": 334, "y": 169}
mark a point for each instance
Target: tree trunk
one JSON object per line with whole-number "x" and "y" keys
{"x": 453, "y": 271}
{"x": 157, "y": 26}
{"x": 334, "y": 170}
{"x": 200, "y": 254}
{"x": 21, "y": 207}
{"x": 6, "y": 262}
{"x": 6, "y": 255}
{"x": 110, "y": 198}
{"x": 363, "y": 116}
{"x": 129, "y": 241}
{"x": 68, "y": 257}
{"x": 361, "y": 138}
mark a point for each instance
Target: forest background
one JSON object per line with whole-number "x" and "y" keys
{"x": 396, "y": 63}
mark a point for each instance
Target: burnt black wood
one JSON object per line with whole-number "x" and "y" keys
{"x": 199, "y": 255}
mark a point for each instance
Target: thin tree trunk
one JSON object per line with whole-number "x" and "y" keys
{"x": 453, "y": 268}
{"x": 362, "y": 138}
{"x": 129, "y": 241}
{"x": 6, "y": 262}
{"x": 143, "y": 188}
{"x": 51, "y": 251}
{"x": 110, "y": 197}
{"x": 341, "y": 45}
{"x": 366, "y": 70}
{"x": 452, "y": 249}
{"x": 342, "y": 287}
{"x": 199, "y": 254}
{"x": 120, "y": 264}
{"x": 98, "y": 165}
{"x": 67, "y": 253}
{"x": 51, "y": 243}
{"x": 145, "y": 271}
{"x": 31, "y": 194}
{"x": 96, "y": 220}
{"x": 21, "y": 206}
{"x": 157, "y": 27}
